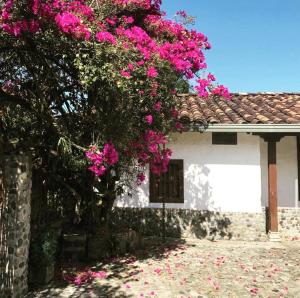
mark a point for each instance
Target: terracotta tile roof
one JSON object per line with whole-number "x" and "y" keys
{"x": 243, "y": 108}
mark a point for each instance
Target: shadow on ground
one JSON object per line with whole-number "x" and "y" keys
{"x": 121, "y": 268}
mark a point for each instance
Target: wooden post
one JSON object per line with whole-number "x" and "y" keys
{"x": 272, "y": 186}
{"x": 298, "y": 160}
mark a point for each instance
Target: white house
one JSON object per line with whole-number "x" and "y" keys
{"x": 234, "y": 172}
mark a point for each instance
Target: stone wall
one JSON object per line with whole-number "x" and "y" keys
{"x": 289, "y": 221}
{"x": 15, "y": 227}
{"x": 193, "y": 223}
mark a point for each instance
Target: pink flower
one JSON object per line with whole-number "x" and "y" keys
{"x": 222, "y": 91}
{"x": 101, "y": 160}
{"x": 130, "y": 67}
{"x": 172, "y": 42}
{"x": 174, "y": 113}
{"x": 149, "y": 119}
{"x": 141, "y": 177}
{"x": 153, "y": 148}
{"x": 216, "y": 286}
{"x": 46, "y": 10}
{"x": 125, "y": 74}
{"x": 13, "y": 30}
{"x": 152, "y": 73}
{"x": 143, "y": 156}
{"x": 83, "y": 277}
{"x": 93, "y": 148}
{"x": 157, "y": 106}
{"x": 34, "y": 26}
{"x": 98, "y": 171}
{"x": 9, "y": 4}
{"x": 72, "y": 24}
{"x": 110, "y": 154}
{"x": 35, "y": 6}
{"x": 179, "y": 126}
{"x": 181, "y": 13}
{"x": 111, "y": 21}
{"x": 202, "y": 86}
{"x": 106, "y": 37}
{"x": 5, "y": 15}
{"x": 102, "y": 26}
{"x": 211, "y": 77}
{"x": 140, "y": 63}
{"x": 67, "y": 22}
{"x": 128, "y": 20}
{"x": 254, "y": 291}
{"x": 125, "y": 45}
{"x": 6, "y": 10}
{"x": 285, "y": 290}
{"x": 100, "y": 274}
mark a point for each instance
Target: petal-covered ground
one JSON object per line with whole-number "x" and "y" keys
{"x": 193, "y": 269}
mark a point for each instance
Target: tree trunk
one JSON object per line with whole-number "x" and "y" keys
{"x": 1, "y": 184}
{"x": 108, "y": 200}
{"x": 106, "y": 208}
{"x": 1, "y": 168}
{"x": 38, "y": 199}
{"x": 1, "y": 180}
{"x": 1, "y": 197}
{"x": 98, "y": 206}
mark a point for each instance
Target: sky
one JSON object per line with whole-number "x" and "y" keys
{"x": 255, "y": 43}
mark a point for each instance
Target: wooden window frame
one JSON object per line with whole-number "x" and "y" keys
{"x": 155, "y": 179}
{"x": 224, "y": 138}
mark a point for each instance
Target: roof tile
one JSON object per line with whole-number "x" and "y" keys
{"x": 260, "y": 108}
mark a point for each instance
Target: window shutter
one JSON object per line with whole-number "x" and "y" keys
{"x": 226, "y": 138}
{"x": 157, "y": 188}
{"x": 168, "y": 187}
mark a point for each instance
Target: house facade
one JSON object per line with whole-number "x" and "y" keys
{"x": 233, "y": 174}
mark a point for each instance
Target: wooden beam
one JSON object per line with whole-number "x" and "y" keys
{"x": 298, "y": 158}
{"x": 272, "y": 186}
{"x": 271, "y": 137}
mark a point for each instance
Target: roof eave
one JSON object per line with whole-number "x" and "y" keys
{"x": 269, "y": 128}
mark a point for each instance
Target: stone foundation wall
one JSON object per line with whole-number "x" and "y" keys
{"x": 193, "y": 223}
{"x": 289, "y": 221}
{"x": 15, "y": 227}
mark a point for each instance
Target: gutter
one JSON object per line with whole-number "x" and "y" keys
{"x": 251, "y": 128}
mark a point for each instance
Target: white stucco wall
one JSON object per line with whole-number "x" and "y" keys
{"x": 224, "y": 178}
{"x": 287, "y": 171}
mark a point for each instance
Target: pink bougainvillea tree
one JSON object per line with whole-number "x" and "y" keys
{"x": 100, "y": 76}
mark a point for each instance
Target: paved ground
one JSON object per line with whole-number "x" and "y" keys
{"x": 197, "y": 269}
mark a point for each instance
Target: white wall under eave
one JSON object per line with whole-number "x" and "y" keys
{"x": 287, "y": 172}
{"x": 225, "y": 178}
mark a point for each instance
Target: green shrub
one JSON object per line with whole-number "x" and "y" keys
{"x": 44, "y": 247}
